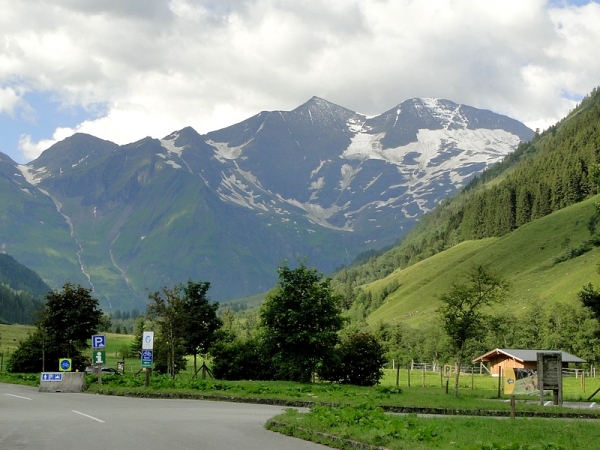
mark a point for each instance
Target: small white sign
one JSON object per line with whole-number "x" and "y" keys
{"x": 148, "y": 340}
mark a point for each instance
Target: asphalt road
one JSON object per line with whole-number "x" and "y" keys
{"x": 33, "y": 420}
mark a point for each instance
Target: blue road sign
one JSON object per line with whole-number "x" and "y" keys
{"x": 147, "y": 357}
{"x": 65, "y": 364}
{"x": 98, "y": 341}
{"x": 51, "y": 376}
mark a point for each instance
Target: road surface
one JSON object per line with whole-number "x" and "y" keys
{"x": 58, "y": 421}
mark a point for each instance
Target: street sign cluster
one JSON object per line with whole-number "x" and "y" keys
{"x": 98, "y": 344}
{"x": 52, "y": 376}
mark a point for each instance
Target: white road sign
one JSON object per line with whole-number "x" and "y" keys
{"x": 148, "y": 340}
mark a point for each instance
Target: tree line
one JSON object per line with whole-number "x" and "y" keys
{"x": 298, "y": 333}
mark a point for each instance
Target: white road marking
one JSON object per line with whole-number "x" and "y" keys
{"x": 89, "y": 417}
{"x": 18, "y": 396}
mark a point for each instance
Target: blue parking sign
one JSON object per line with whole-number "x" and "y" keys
{"x": 98, "y": 341}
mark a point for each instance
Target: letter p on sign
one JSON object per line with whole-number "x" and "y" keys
{"x": 98, "y": 341}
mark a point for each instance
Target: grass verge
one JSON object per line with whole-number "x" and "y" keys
{"x": 372, "y": 428}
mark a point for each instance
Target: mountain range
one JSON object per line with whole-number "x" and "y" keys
{"x": 319, "y": 182}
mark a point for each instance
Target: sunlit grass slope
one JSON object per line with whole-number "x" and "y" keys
{"x": 524, "y": 257}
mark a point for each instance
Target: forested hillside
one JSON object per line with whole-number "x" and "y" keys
{"x": 557, "y": 168}
{"x": 21, "y": 291}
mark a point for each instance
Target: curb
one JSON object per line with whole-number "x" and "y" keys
{"x": 386, "y": 408}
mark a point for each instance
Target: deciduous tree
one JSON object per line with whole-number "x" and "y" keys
{"x": 463, "y": 309}
{"x": 301, "y": 318}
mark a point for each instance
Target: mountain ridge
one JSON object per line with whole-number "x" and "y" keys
{"x": 319, "y": 181}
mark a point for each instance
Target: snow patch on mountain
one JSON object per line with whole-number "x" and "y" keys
{"x": 319, "y": 215}
{"x": 478, "y": 144}
{"x": 223, "y": 151}
{"x": 446, "y": 116}
{"x": 169, "y": 145}
{"x": 31, "y": 175}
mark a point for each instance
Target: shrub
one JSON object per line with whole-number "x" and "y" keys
{"x": 359, "y": 360}
{"x": 242, "y": 360}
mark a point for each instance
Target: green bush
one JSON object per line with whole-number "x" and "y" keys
{"x": 242, "y": 360}
{"x": 358, "y": 360}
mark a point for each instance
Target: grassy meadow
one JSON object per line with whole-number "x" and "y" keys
{"x": 524, "y": 257}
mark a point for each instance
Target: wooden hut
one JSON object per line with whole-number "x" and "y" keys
{"x": 518, "y": 359}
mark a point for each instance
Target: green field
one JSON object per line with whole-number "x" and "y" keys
{"x": 524, "y": 257}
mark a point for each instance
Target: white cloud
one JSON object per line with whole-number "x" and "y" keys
{"x": 9, "y": 100}
{"x": 157, "y": 66}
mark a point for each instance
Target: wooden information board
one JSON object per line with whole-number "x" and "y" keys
{"x": 549, "y": 369}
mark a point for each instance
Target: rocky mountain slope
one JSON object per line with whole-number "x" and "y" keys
{"x": 320, "y": 182}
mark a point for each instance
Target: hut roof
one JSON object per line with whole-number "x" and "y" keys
{"x": 525, "y": 355}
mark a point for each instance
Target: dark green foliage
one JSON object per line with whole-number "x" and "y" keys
{"x": 590, "y": 298}
{"x": 187, "y": 323}
{"x": 167, "y": 309}
{"x": 21, "y": 291}
{"x": 201, "y": 322}
{"x": 71, "y": 316}
{"x": 17, "y": 306}
{"x": 242, "y": 360}
{"x": 20, "y": 277}
{"x": 301, "y": 318}
{"x": 67, "y": 320}
{"x": 36, "y": 354}
{"x": 359, "y": 360}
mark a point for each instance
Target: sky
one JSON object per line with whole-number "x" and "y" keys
{"x": 124, "y": 70}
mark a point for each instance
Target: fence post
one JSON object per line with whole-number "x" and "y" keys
{"x": 513, "y": 407}
{"x": 398, "y": 375}
{"x": 472, "y": 378}
{"x": 442, "y": 377}
{"x": 499, "y": 380}
{"x": 408, "y": 376}
{"x": 423, "y": 378}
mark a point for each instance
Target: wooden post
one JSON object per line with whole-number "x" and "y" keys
{"x": 583, "y": 381}
{"x": 409, "y": 377}
{"x": 499, "y": 380}
{"x": 472, "y": 378}
{"x": 147, "y": 382}
{"x": 423, "y": 378}
{"x": 513, "y": 407}
{"x": 398, "y": 375}
{"x": 447, "y": 383}
{"x": 442, "y": 377}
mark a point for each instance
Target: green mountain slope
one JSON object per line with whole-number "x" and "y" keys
{"x": 21, "y": 291}
{"x": 556, "y": 169}
{"x": 525, "y": 257}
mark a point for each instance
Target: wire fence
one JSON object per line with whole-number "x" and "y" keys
{"x": 482, "y": 369}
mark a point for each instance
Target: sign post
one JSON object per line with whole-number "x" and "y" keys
{"x": 99, "y": 355}
{"x": 147, "y": 353}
